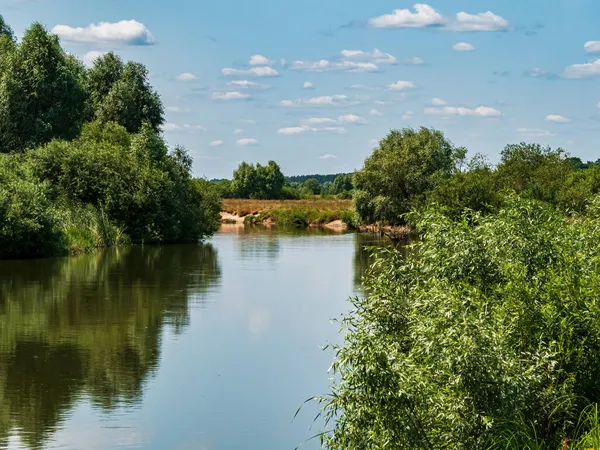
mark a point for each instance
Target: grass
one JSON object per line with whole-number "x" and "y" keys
{"x": 294, "y": 213}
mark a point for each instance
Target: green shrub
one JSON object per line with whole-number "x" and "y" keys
{"x": 489, "y": 328}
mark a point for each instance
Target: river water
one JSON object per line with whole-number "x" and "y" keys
{"x": 204, "y": 347}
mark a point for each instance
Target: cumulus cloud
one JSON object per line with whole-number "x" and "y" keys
{"x": 319, "y": 121}
{"x": 307, "y": 85}
{"x": 328, "y": 156}
{"x": 186, "y": 76}
{"x": 438, "y": 102}
{"x": 254, "y": 72}
{"x": 556, "y": 118}
{"x": 351, "y": 118}
{"x": 325, "y": 100}
{"x": 174, "y": 128}
{"x": 125, "y": 32}
{"x": 480, "y": 111}
{"x": 306, "y": 129}
{"x": 216, "y": 143}
{"x": 238, "y": 131}
{"x": 426, "y": 16}
{"x": 232, "y": 95}
{"x": 376, "y": 56}
{"x": 587, "y": 70}
{"x": 423, "y": 16}
{"x": 90, "y": 57}
{"x": 487, "y": 21}
{"x": 400, "y": 85}
{"x": 260, "y": 60}
{"x": 375, "y": 113}
{"x": 246, "y": 141}
{"x": 325, "y": 65}
{"x": 592, "y": 47}
{"x": 407, "y": 115}
{"x": 244, "y": 84}
{"x": 463, "y": 47}
{"x": 414, "y": 61}
{"x": 531, "y": 132}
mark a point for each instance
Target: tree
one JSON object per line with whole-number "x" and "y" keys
{"x": 534, "y": 171}
{"x": 41, "y": 97}
{"x": 264, "y": 182}
{"x": 122, "y": 94}
{"x": 244, "y": 182}
{"x": 6, "y": 30}
{"x": 342, "y": 183}
{"x": 406, "y": 165}
{"x": 312, "y": 186}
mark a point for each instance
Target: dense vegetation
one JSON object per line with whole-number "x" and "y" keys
{"x": 484, "y": 333}
{"x": 268, "y": 183}
{"x": 82, "y": 161}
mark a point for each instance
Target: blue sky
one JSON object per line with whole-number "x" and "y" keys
{"x": 232, "y": 73}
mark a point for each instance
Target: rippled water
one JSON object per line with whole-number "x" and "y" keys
{"x": 210, "y": 346}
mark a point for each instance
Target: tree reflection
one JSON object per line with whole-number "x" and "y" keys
{"x": 89, "y": 325}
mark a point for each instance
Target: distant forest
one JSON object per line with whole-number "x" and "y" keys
{"x": 300, "y": 178}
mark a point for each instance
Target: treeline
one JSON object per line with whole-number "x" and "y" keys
{"x": 320, "y": 178}
{"x": 415, "y": 169}
{"x": 82, "y": 160}
{"x": 484, "y": 332}
{"x": 269, "y": 183}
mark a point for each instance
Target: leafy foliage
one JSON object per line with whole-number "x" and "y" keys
{"x": 406, "y": 165}
{"x": 488, "y": 328}
{"x": 260, "y": 182}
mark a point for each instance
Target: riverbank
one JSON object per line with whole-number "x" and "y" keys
{"x": 333, "y": 214}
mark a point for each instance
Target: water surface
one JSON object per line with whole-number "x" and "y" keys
{"x": 210, "y": 346}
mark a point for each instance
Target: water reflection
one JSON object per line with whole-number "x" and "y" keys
{"x": 90, "y": 325}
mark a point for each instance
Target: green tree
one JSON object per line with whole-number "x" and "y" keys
{"x": 270, "y": 181}
{"x": 406, "y": 165}
{"x": 484, "y": 335}
{"x": 41, "y": 97}
{"x": 342, "y": 183}
{"x": 5, "y": 29}
{"x": 122, "y": 94}
{"x": 533, "y": 171}
{"x": 312, "y": 186}
{"x": 579, "y": 189}
{"x": 244, "y": 182}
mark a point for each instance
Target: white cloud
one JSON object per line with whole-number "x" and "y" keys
{"x": 376, "y": 56}
{"x": 246, "y": 141}
{"x": 375, "y": 113}
{"x": 400, "y": 85}
{"x": 248, "y": 121}
{"x": 244, "y": 83}
{"x": 537, "y": 72}
{"x": 362, "y": 87}
{"x": 592, "y": 47}
{"x": 319, "y": 121}
{"x": 463, "y": 47}
{"x": 307, "y": 85}
{"x": 186, "y": 76}
{"x": 238, "y": 131}
{"x": 530, "y": 132}
{"x": 90, "y": 57}
{"x": 216, "y": 143}
{"x": 325, "y": 100}
{"x": 556, "y": 118}
{"x": 173, "y": 127}
{"x": 351, "y": 118}
{"x": 328, "y": 156}
{"x": 407, "y": 115}
{"x": 586, "y": 70}
{"x": 423, "y": 16}
{"x": 233, "y": 95}
{"x": 260, "y": 60}
{"x": 438, "y": 102}
{"x": 125, "y": 32}
{"x": 334, "y": 66}
{"x": 487, "y": 21}
{"x": 174, "y": 109}
{"x": 254, "y": 72}
{"x": 598, "y": 105}
{"x": 306, "y": 129}
{"x": 480, "y": 111}
{"x": 414, "y": 61}
{"x": 293, "y": 130}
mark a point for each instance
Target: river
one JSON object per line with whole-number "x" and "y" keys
{"x": 204, "y": 347}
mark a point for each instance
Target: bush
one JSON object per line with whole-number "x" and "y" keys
{"x": 489, "y": 328}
